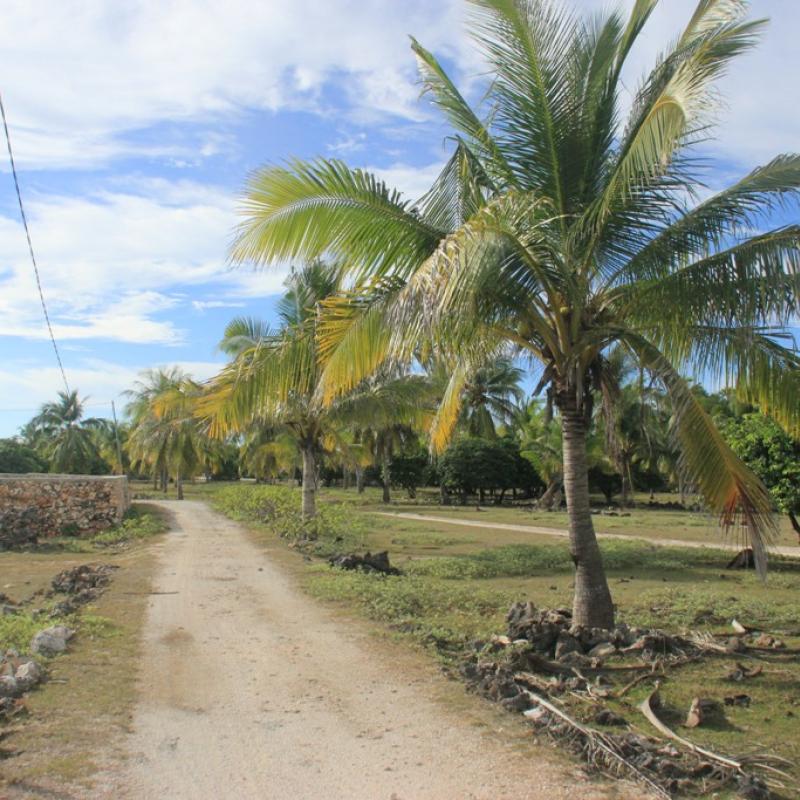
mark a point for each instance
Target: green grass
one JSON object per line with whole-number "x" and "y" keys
{"x": 458, "y": 584}
{"x": 17, "y": 630}
{"x": 139, "y": 524}
{"x": 333, "y": 530}
{"x": 77, "y": 718}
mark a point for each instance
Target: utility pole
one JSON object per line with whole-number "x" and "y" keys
{"x": 116, "y": 438}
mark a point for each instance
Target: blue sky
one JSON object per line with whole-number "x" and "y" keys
{"x": 136, "y": 123}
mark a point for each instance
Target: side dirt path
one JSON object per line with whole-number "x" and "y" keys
{"x": 561, "y": 533}
{"x": 249, "y": 689}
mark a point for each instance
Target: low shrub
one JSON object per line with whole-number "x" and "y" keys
{"x": 335, "y": 528}
{"x": 136, "y": 525}
{"x": 427, "y": 609}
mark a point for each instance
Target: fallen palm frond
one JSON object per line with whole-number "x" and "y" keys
{"x": 758, "y": 761}
{"x": 598, "y": 748}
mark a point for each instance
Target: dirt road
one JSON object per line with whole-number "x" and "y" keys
{"x": 249, "y": 689}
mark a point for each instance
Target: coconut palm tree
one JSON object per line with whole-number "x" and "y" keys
{"x": 273, "y": 381}
{"x": 66, "y": 438}
{"x": 147, "y": 442}
{"x": 557, "y": 231}
{"x": 165, "y": 435}
{"x": 491, "y": 395}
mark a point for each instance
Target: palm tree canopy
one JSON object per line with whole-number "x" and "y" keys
{"x": 557, "y": 231}
{"x": 65, "y": 437}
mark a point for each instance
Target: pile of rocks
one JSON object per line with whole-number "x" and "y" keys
{"x": 544, "y": 660}
{"x": 369, "y": 562}
{"x": 18, "y": 674}
{"x": 82, "y": 585}
{"x": 550, "y": 633}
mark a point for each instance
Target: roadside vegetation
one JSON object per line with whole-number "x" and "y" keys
{"x": 59, "y": 733}
{"x": 457, "y": 585}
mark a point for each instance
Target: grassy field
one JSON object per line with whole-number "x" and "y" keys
{"x": 642, "y": 522}
{"x": 459, "y": 582}
{"x": 74, "y": 718}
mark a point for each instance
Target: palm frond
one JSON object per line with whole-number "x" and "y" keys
{"x": 525, "y": 43}
{"x": 449, "y": 100}
{"x": 242, "y": 333}
{"x": 675, "y": 102}
{"x": 354, "y": 336}
{"x": 313, "y": 208}
{"x": 744, "y": 205}
{"x": 729, "y": 487}
{"x": 754, "y": 282}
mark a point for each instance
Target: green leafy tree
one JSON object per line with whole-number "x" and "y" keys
{"x": 773, "y": 455}
{"x": 557, "y": 231}
{"x": 472, "y": 465}
{"x": 410, "y": 469}
{"x": 18, "y": 457}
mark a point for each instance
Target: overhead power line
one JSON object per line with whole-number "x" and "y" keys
{"x": 30, "y": 245}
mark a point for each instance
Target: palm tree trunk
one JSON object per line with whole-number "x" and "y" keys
{"x": 548, "y": 498}
{"x": 592, "y": 606}
{"x": 179, "y": 484}
{"x": 626, "y": 489}
{"x": 360, "y": 479}
{"x": 795, "y": 524}
{"x": 309, "y": 482}
{"x": 164, "y": 480}
{"x": 386, "y": 477}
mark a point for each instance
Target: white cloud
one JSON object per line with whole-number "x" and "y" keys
{"x": 412, "y": 181}
{"x": 99, "y": 382}
{"x": 113, "y": 263}
{"x": 79, "y": 76}
{"x": 202, "y": 305}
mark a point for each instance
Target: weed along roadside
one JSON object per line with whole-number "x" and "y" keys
{"x": 69, "y": 642}
{"x": 691, "y": 635}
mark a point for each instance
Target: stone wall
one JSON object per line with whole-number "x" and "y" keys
{"x": 35, "y": 505}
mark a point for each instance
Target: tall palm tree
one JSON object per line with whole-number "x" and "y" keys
{"x": 148, "y": 439}
{"x": 273, "y": 380}
{"x": 165, "y": 435}
{"x": 557, "y": 232}
{"x": 634, "y": 418}
{"x": 65, "y": 437}
{"x": 385, "y": 413}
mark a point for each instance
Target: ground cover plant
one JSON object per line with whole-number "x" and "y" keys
{"x": 331, "y": 530}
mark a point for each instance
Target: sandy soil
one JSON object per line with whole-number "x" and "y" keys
{"x": 249, "y": 689}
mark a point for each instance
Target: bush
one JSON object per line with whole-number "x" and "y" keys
{"x": 334, "y": 529}
{"x": 773, "y": 455}
{"x": 410, "y": 472}
{"x": 18, "y": 458}
{"x": 136, "y": 525}
{"x": 475, "y": 465}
